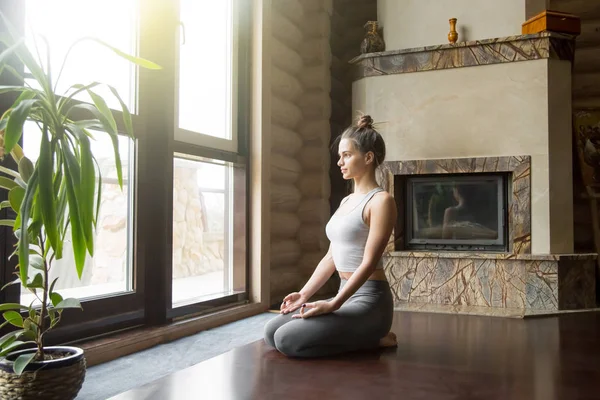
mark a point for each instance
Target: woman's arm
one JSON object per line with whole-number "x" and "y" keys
{"x": 322, "y": 273}
{"x": 381, "y": 223}
{"x": 324, "y": 270}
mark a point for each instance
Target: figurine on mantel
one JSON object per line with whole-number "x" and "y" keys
{"x": 373, "y": 42}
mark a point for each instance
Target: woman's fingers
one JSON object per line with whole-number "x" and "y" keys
{"x": 313, "y": 310}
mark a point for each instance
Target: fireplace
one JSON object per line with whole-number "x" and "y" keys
{"x": 499, "y": 191}
{"x": 466, "y": 212}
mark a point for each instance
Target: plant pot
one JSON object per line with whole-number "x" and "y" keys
{"x": 57, "y": 379}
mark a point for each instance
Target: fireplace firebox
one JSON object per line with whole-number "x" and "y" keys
{"x": 456, "y": 212}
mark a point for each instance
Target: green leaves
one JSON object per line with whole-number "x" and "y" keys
{"x": 73, "y": 176}
{"x": 23, "y": 244}
{"x": 22, "y": 362}
{"x": 46, "y": 196}
{"x": 136, "y": 60}
{"x": 15, "y": 197}
{"x": 6, "y": 183}
{"x": 25, "y": 169}
{"x": 14, "y": 127}
{"x": 13, "y": 318}
{"x": 68, "y": 303}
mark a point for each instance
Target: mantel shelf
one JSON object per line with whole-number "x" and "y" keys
{"x": 545, "y": 45}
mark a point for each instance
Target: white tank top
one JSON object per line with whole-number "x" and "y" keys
{"x": 348, "y": 236}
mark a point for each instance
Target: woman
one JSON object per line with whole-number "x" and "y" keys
{"x": 360, "y": 315}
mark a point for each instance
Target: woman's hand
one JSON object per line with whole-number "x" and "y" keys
{"x": 316, "y": 308}
{"x": 292, "y": 302}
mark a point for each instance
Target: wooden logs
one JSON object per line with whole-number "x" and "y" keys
{"x": 587, "y": 59}
{"x": 315, "y": 129}
{"x": 284, "y": 225}
{"x": 286, "y": 280}
{"x": 316, "y": 78}
{"x": 285, "y": 113}
{"x": 318, "y": 5}
{"x": 309, "y": 261}
{"x": 284, "y": 85}
{"x": 584, "y": 9}
{"x": 314, "y": 211}
{"x": 314, "y": 158}
{"x": 285, "y": 141}
{"x": 284, "y": 29}
{"x": 292, "y": 9}
{"x": 317, "y": 25}
{"x": 285, "y": 197}
{"x": 586, "y": 85}
{"x": 590, "y": 34}
{"x": 315, "y": 105}
{"x": 284, "y": 169}
{"x": 315, "y": 185}
{"x": 312, "y": 237}
{"x": 285, "y": 58}
{"x": 316, "y": 51}
{"x": 285, "y": 253}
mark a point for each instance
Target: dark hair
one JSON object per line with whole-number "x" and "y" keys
{"x": 365, "y": 138}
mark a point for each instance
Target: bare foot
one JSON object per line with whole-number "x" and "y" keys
{"x": 389, "y": 340}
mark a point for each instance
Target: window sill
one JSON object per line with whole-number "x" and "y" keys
{"x": 101, "y": 350}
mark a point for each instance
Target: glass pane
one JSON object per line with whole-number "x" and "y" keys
{"x": 202, "y": 231}
{"x": 205, "y": 67}
{"x": 109, "y": 271}
{"x": 453, "y": 209}
{"x": 65, "y": 21}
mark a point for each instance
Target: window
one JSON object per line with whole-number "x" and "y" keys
{"x": 204, "y": 186}
{"x": 205, "y": 83}
{"x": 203, "y": 230}
{"x": 173, "y": 242}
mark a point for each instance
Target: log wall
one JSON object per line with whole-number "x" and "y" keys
{"x": 586, "y": 95}
{"x": 301, "y": 108}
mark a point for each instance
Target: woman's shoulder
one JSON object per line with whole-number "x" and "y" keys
{"x": 383, "y": 200}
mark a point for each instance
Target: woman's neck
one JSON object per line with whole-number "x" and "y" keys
{"x": 364, "y": 184}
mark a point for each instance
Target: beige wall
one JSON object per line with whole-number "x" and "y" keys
{"x": 415, "y": 23}
{"x": 494, "y": 110}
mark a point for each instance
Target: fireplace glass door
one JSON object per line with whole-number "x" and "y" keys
{"x": 457, "y": 212}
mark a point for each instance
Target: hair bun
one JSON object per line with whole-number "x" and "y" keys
{"x": 365, "y": 122}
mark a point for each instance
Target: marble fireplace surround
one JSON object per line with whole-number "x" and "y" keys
{"x": 512, "y": 284}
{"x": 519, "y": 202}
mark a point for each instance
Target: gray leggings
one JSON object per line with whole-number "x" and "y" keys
{"x": 358, "y": 324}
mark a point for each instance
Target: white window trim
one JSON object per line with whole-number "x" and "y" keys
{"x": 204, "y": 140}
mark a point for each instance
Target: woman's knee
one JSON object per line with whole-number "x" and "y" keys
{"x": 289, "y": 342}
{"x": 269, "y": 331}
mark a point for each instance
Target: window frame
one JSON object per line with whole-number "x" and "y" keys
{"x": 200, "y": 139}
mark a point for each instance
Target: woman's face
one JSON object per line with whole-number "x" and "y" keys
{"x": 352, "y": 162}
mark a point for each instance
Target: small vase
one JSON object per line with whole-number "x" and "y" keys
{"x": 452, "y": 35}
{"x": 373, "y": 42}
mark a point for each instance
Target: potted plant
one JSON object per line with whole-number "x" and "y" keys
{"x": 57, "y": 198}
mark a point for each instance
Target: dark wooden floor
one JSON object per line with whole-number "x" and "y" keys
{"x": 438, "y": 357}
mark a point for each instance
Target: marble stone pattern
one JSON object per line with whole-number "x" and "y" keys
{"x": 546, "y": 45}
{"x": 525, "y": 284}
{"x": 519, "y": 213}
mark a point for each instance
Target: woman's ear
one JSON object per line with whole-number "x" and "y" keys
{"x": 369, "y": 157}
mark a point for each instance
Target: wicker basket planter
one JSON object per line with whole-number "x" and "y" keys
{"x": 57, "y": 379}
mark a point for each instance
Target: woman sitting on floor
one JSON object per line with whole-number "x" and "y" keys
{"x": 360, "y": 316}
